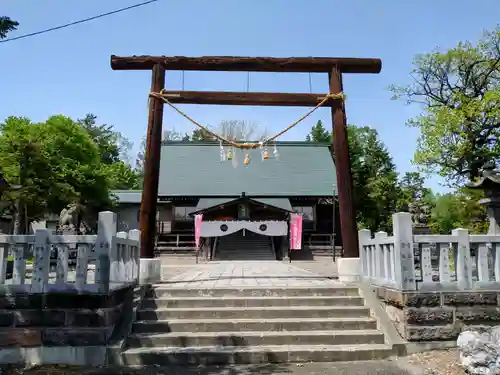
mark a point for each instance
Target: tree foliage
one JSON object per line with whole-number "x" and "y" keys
{"x": 54, "y": 163}
{"x": 412, "y": 189}
{"x": 61, "y": 161}
{"x": 112, "y": 145}
{"x": 7, "y": 25}
{"x": 460, "y": 93}
{"x": 378, "y": 193}
{"x": 114, "y": 150}
{"x": 374, "y": 176}
{"x": 234, "y": 130}
{"x": 458, "y": 210}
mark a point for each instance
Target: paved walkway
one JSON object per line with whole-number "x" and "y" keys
{"x": 248, "y": 274}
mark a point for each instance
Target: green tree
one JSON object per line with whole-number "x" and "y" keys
{"x": 112, "y": 145}
{"x": 114, "y": 151}
{"x": 374, "y": 176}
{"x": 54, "y": 163}
{"x": 7, "y": 25}
{"x": 458, "y": 210}
{"x": 459, "y": 90}
{"x": 319, "y": 134}
{"x": 412, "y": 189}
{"x": 200, "y": 135}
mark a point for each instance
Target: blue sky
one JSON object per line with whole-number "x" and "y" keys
{"x": 68, "y": 71}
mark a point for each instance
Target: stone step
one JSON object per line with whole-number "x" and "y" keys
{"x": 254, "y": 312}
{"x": 220, "y": 325}
{"x": 249, "y": 257}
{"x": 253, "y": 338}
{"x": 160, "y": 291}
{"x": 214, "y": 355}
{"x": 237, "y": 246}
{"x": 244, "y": 255}
{"x": 188, "y": 302}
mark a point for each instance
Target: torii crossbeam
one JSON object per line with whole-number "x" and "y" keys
{"x": 333, "y": 66}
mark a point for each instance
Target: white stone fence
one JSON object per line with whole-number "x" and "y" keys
{"x": 404, "y": 261}
{"x": 104, "y": 261}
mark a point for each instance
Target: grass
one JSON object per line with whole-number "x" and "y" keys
{"x": 28, "y": 261}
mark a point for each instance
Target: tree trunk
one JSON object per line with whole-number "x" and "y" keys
{"x": 19, "y": 219}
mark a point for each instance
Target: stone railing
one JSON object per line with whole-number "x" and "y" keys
{"x": 433, "y": 286}
{"x": 54, "y": 312}
{"x": 459, "y": 261}
{"x": 39, "y": 263}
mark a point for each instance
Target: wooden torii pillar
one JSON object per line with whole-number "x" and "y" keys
{"x": 334, "y": 67}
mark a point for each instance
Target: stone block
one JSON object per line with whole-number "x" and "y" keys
{"x": 479, "y": 314}
{"x": 21, "y": 301}
{"x": 428, "y": 316}
{"x": 72, "y": 300}
{"x": 20, "y": 337}
{"x": 93, "y": 318}
{"x": 422, "y": 299}
{"x": 6, "y": 318}
{"x": 470, "y": 298}
{"x": 75, "y": 337}
{"x": 26, "y": 318}
{"x": 54, "y": 318}
{"x": 390, "y": 296}
{"x": 431, "y": 333}
{"x": 91, "y": 301}
{"x": 411, "y": 299}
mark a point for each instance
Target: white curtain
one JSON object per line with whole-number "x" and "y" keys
{"x": 225, "y": 227}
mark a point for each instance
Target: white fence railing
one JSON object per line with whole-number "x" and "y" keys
{"x": 41, "y": 262}
{"x": 405, "y": 261}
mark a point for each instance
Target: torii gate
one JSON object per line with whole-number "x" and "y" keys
{"x": 333, "y": 66}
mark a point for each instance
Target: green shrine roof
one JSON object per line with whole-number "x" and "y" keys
{"x": 195, "y": 169}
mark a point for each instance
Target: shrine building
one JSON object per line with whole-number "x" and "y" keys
{"x": 245, "y": 197}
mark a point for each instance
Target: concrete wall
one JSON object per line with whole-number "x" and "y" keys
{"x": 128, "y": 215}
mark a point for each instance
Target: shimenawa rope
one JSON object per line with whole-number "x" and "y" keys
{"x": 253, "y": 145}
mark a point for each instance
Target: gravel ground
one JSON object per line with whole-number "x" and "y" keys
{"x": 438, "y": 362}
{"x": 386, "y": 367}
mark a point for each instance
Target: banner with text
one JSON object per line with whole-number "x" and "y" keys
{"x": 197, "y": 229}
{"x": 295, "y": 232}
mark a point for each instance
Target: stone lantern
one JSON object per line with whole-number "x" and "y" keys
{"x": 490, "y": 184}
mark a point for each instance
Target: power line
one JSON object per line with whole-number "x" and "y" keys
{"x": 78, "y": 22}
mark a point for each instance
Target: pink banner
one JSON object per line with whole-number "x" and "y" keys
{"x": 197, "y": 228}
{"x": 295, "y": 232}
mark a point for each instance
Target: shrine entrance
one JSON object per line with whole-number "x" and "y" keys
{"x": 244, "y": 228}
{"x": 334, "y": 99}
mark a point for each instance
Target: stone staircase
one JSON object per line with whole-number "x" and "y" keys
{"x": 250, "y": 325}
{"x": 251, "y": 246}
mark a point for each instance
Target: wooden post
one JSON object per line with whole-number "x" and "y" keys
{"x": 343, "y": 167}
{"x": 147, "y": 219}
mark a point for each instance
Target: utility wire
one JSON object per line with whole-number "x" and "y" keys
{"x": 78, "y": 22}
